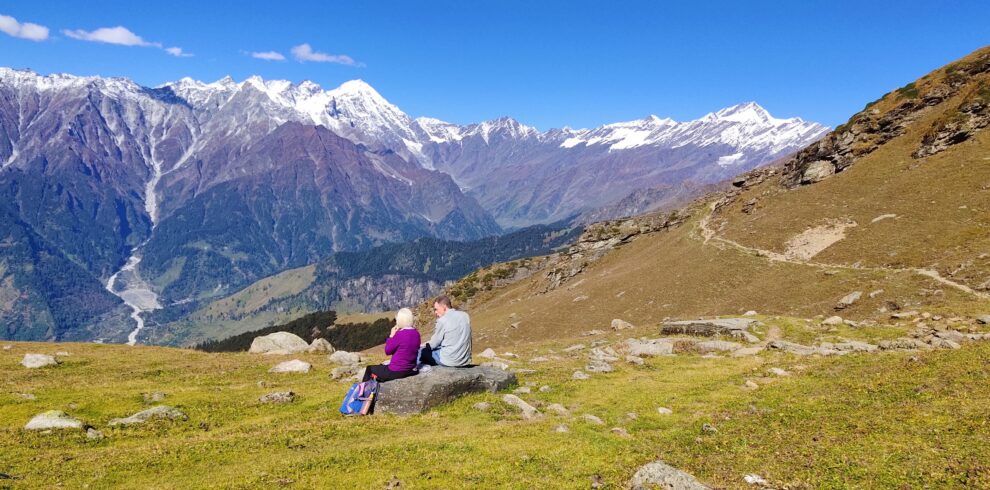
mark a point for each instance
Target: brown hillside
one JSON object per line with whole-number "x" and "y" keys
{"x": 898, "y": 200}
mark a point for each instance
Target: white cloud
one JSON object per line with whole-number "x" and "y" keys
{"x": 26, "y": 30}
{"x": 177, "y": 52}
{"x": 304, "y": 52}
{"x": 269, "y": 55}
{"x": 121, "y": 36}
{"x": 110, "y": 35}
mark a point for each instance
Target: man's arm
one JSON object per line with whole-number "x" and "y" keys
{"x": 438, "y": 333}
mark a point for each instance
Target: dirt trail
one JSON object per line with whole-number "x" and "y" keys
{"x": 709, "y": 235}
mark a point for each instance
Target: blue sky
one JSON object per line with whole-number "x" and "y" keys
{"x": 546, "y": 63}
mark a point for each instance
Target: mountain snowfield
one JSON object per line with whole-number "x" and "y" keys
{"x": 211, "y": 186}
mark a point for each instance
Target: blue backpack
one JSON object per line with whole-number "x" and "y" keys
{"x": 360, "y": 398}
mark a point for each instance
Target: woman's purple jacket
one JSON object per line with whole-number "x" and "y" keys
{"x": 403, "y": 347}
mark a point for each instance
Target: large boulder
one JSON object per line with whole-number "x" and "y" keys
{"x": 735, "y": 327}
{"x": 439, "y": 385}
{"x": 32, "y": 361}
{"x": 320, "y": 346}
{"x": 278, "y": 343}
{"x": 53, "y": 419}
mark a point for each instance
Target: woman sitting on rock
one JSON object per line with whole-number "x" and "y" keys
{"x": 403, "y": 345}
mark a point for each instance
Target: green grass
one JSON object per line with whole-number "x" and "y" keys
{"x": 881, "y": 420}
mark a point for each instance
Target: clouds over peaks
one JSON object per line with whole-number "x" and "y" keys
{"x": 25, "y": 30}
{"x": 120, "y": 36}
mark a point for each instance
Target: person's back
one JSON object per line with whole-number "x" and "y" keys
{"x": 452, "y": 338}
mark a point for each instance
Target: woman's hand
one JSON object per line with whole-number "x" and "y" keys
{"x": 394, "y": 329}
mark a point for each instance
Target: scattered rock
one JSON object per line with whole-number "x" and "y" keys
{"x": 580, "y": 298}
{"x": 649, "y": 348}
{"x": 848, "y": 300}
{"x": 320, "y": 346}
{"x": 776, "y": 371}
{"x": 708, "y": 429}
{"x": 605, "y": 354}
{"x": 8, "y": 347}
{"x": 93, "y": 434}
{"x": 903, "y": 343}
{"x": 619, "y": 431}
{"x": 278, "y": 343}
{"x": 522, "y": 390}
{"x": 539, "y": 359}
{"x": 593, "y": 332}
{"x": 159, "y": 412}
{"x": 488, "y": 353}
{"x": 545, "y": 389}
{"x": 529, "y": 412}
{"x": 883, "y": 217}
{"x": 33, "y": 361}
{"x": 592, "y": 419}
{"x": 596, "y": 366}
{"x": 418, "y": 393}
{"x": 663, "y": 476}
{"x": 754, "y": 479}
{"x": 940, "y": 343}
{"x": 293, "y": 366}
{"x": 639, "y": 361}
{"x": 153, "y": 397}
{"x": 632, "y": 416}
{"x": 482, "y": 406}
{"x": 747, "y": 351}
{"x": 53, "y": 419}
{"x": 904, "y": 315}
{"x": 832, "y": 321}
{"x": 278, "y": 397}
{"x": 344, "y": 358}
{"x": 793, "y": 348}
{"x": 575, "y": 347}
{"x": 664, "y": 411}
{"x": 817, "y": 171}
{"x": 875, "y": 293}
{"x": 983, "y": 319}
{"x": 853, "y": 345}
{"x": 496, "y": 364}
{"x": 750, "y": 313}
{"x": 561, "y": 429}
{"x": 580, "y": 375}
{"x": 618, "y": 324}
{"x": 750, "y": 385}
{"x": 62, "y": 353}
{"x": 559, "y": 409}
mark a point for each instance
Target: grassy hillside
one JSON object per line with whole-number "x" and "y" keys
{"x": 882, "y": 420}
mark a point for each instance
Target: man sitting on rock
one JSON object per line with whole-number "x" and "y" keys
{"x": 451, "y": 342}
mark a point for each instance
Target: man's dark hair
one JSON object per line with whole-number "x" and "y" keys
{"x": 443, "y": 300}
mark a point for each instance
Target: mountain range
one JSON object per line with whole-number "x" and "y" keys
{"x": 202, "y": 188}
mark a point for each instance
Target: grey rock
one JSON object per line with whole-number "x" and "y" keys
{"x": 320, "y": 346}
{"x": 904, "y": 315}
{"x": 793, "y": 348}
{"x": 618, "y": 324}
{"x": 488, "y": 353}
{"x": 575, "y": 347}
{"x": 747, "y": 351}
{"x": 496, "y": 364}
{"x": 817, "y": 171}
{"x": 592, "y": 419}
{"x": 93, "y": 434}
{"x": 7, "y": 347}
{"x": 343, "y": 372}
{"x": 62, "y": 353}
{"x": 983, "y": 319}
{"x": 717, "y": 346}
{"x": 562, "y": 428}
{"x": 649, "y": 348}
{"x": 606, "y": 354}
{"x": 540, "y": 359}
{"x": 596, "y": 366}
{"x": 664, "y": 411}
{"x": 522, "y": 390}
{"x": 855, "y": 346}
{"x": 660, "y": 475}
{"x": 903, "y": 343}
{"x": 293, "y": 366}
{"x": 639, "y": 361}
{"x": 580, "y": 375}
{"x": 482, "y": 406}
{"x": 559, "y": 409}
{"x": 707, "y": 328}
{"x": 952, "y": 335}
{"x": 278, "y": 343}
{"x": 778, "y": 372}
{"x": 440, "y": 385}
{"x": 750, "y": 385}
{"x": 278, "y": 397}
{"x": 164, "y": 412}
{"x": 529, "y": 412}
{"x": 344, "y": 358}
{"x": 848, "y": 300}
{"x": 708, "y": 429}
{"x": 619, "y": 431}
{"x": 545, "y": 389}
{"x": 27, "y": 396}
{"x": 832, "y": 321}
{"x": 34, "y": 361}
{"x": 940, "y": 343}
{"x": 53, "y": 419}
{"x": 153, "y": 397}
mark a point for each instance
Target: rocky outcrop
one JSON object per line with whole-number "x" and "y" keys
{"x": 53, "y": 419}
{"x": 440, "y": 385}
{"x": 161, "y": 412}
{"x": 663, "y": 476}
{"x": 34, "y": 361}
{"x": 733, "y": 327}
{"x": 278, "y": 343}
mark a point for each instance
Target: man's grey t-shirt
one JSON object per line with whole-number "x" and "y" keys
{"x": 452, "y": 338}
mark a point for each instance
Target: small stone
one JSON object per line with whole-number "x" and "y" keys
{"x": 545, "y": 389}
{"x": 159, "y": 412}
{"x": 848, "y": 300}
{"x": 153, "y": 397}
{"x": 8, "y": 347}
{"x": 580, "y": 375}
{"x": 632, "y": 416}
{"x": 580, "y": 298}
{"x": 509, "y": 355}
{"x": 832, "y": 320}
{"x": 747, "y": 351}
{"x": 598, "y": 367}
{"x": 343, "y": 372}
{"x": 344, "y": 358}
{"x": 93, "y": 434}
{"x": 750, "y": 313}
{"x": 278, "y": 397}
{"x": 488, "y": 353}
{"x": 904, "y": 315}
{"x": 983, "y": 319}
{"x": 592, "y": 419}
{"x": 778, "y": 372}
{"x": 593, "y": 332}
{"x": 618, "y": 324}
{"x": 293, "y": 366}
{"x": 62, "y": 353}
{"x": 619, "y": 431}
{"x": 522, "y": 390}
{"x": 482, "y": 406}
{"x": 575, "y": 347}
{"x": 539, "y": 359}
{"x": 750, "y": 385}
{"x": 34, "y": 361}
{"x": 496, "y": 364}
{"x": 561, "y": 429}
{"x": 635, "y": 360}
{"x": 529, "y": 412}
{"x": 754, "y": 479}
{"x": 708, "y": 429}
{"x": 664, "y": 411}
{"x": 53, "y": 419}
{"x": 874, "y": 294}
